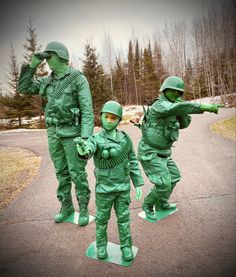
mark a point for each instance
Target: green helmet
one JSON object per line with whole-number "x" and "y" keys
{"x": 173, "y": 82}
{"x": 112, "y": 107}
{"x": 58, "y": 48}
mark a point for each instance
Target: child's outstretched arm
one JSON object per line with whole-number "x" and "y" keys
{"x": 82, "y": 146}
{"x": 86, "y": 148}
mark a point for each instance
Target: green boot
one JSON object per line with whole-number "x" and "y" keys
{"x": 168, "y": 206}
{"x": 101, "y": 252}
{"x": 127, "y": 253}
{"x": 149, "y": 211}
{"x": 83, "y": 210}
{"x": 83, "y": 216}
{"x": 66, "y": 208}
{"x": 101, "y": 240}
{"x": 164, "y": 201}
{"x": 148, "y": 204}
{"x": 158, "y": 206}
{"x": 125, "y": 238}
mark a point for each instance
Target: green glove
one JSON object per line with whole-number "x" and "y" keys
{"x": 82, "y": 147}
{"x": 138, "y": 193}
{"x": 35, "y": 61}
{"x": 212, "y": 108}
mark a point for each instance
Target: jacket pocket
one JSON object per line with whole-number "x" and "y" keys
{"x": 101, "y": 175}
{"x": 171, "y": 132}
{"x": 120, "y": 173}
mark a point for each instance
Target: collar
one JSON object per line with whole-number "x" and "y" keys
{"x": 67, "y": 72}
{"x": 163, "y": 97}
{"x": 119, "y": 136}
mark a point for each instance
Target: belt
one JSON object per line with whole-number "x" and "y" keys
{"x": 53, "y": 121}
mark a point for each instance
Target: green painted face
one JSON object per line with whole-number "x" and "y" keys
{"x": 109, "y": 121}
{"x": 172, "y": 95}
{"x": 57, "y": 64}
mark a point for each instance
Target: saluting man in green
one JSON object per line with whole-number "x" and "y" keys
{"x": 115, "y": 163}
{"x": 160, "y": 129}
{"x": 68, "y": 113}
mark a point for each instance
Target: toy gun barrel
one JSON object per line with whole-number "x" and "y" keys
{"x": 80, "y": 143}
{"x": 43, "y": 55}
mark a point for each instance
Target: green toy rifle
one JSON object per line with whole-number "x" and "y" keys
{"x": 43, "y": 55}
{"x": 81, "y": 147}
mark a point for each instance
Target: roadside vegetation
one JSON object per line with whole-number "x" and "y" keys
{"x": 18, "y": 167}
{"x": 225, "y": 128}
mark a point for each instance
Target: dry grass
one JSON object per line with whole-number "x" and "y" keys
{"x": 225, "y": 128}
{"x": 17, "y": 170}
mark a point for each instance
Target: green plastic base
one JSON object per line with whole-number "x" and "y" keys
{"x": 160, "y": 214}
{"x": 73, "y": 218}
{"x": 114, "y": 254}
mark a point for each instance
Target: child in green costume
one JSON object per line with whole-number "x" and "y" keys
{"x": 115, "y": 163}
{"x": 160, "y": 129}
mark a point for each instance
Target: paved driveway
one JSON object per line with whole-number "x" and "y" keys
{"x": 198, "y": 240}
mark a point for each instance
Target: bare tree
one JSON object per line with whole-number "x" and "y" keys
{"x": 109, "y": 57}
{"x": 214, "y": 47}
{"x": 175, "y": 35}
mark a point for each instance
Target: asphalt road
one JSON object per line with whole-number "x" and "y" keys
{"x": 198, "y": 240}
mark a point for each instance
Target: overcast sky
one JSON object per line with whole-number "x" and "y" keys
{"x": 75, "y": 21}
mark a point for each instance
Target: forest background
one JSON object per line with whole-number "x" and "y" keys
{"x": 202, "y": 52}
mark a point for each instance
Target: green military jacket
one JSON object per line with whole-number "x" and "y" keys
{"x": 72, "y": 112}
{"x": 161, "y": 124}
{"x": 113, "y": 174}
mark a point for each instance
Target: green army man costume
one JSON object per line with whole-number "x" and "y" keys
{"x": 68, "y": 113}
{"x": 160, "y": 129}
{"x": 115, "y": 163}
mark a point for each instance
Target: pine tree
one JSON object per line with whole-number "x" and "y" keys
{"x": 97, "y": 80}
{"x": 132, "y": 97}
{"x": 188, "y": 79}
{"x": 17, "y": 105}
{"x": 158, "y": 63}
{"x": 3, "y": 108}
{"x": 137, "y": 68}
{"x": 31, "y": 46}
{"x": 137, "y": 60}
{"x": 130, "y": 75}
{"x": 119, "y": 81}
{"x": 149, "y": 81}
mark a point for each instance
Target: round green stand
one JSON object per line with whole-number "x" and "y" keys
{"x": 73, "y": 218}
{"x": 114, "y": 254}
{"x": 160, "y": 214}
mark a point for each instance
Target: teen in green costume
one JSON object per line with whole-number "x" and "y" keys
{"x": 68, "y": 114}
{"x": 115, "y": 163}
{"x": 160, "y": 129}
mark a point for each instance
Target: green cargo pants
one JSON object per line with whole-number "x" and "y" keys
{"x": 68, "y": 167}
{"x": 104, "y": 203}
{"x": 164, "y": 174}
